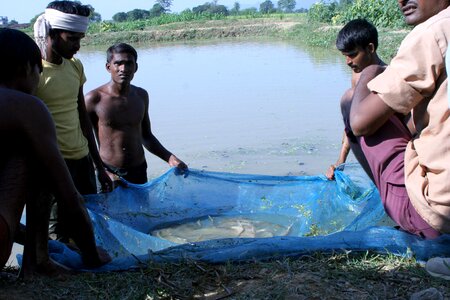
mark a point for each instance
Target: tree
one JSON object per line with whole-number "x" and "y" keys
{"x": 137, "y": 14}
{"x": 301, "y": 10}
{"x": 157, "y": 10}
{"x": 345, "y": 2}
{"x": 249, "y": 11}
{"x": 120, "y": 17}
{"x": 219, "y": 9}
{"x": 211, "y": 8}
{"x": 4, "y": 21}
{"x": 201, "y": 8}
{"x": 165, "y": 4}
{"x": 286, "y": 5}
{"x": 95, "y": 17}
{"x": 33, "y": 19}
{"x": 236, "y": 8}
{"x": 266, "y": 7}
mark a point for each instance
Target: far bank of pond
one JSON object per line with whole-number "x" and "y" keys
{"x": 293, "y": 27}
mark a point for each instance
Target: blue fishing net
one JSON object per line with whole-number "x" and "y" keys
{"x": 218, "y": 217}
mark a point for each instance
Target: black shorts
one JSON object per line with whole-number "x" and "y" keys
{"x": 83, "y": 174}
{"x": 137, "y": 174}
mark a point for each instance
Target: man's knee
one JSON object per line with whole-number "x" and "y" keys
{"x": 13, "y": 173}
{"x": 14, "y": 178}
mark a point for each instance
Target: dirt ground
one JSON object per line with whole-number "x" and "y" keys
{"x": 340, "y": 276}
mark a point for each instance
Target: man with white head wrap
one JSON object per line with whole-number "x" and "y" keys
{"x": 55, "y": 19}
{"x": 58, "y": 33}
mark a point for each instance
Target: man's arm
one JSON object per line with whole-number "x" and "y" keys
{"x": 91, "y": 99}
{"x": 345, "y": 149}
{"x": 152, "y": 144}
{"x": 368, "y": 111}
{"x": 86, "y": 127}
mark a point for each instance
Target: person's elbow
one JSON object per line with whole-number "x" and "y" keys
{"x": 368, "y": 117}
{"x": 360, "y": 127}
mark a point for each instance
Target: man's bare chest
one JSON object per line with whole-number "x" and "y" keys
{"x": 123, "y": 112}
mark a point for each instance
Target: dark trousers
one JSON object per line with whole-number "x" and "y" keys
{"x": 83, "y": 175}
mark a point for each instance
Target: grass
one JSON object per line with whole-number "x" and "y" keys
{"x": 337, "y": 276}
{"x": 192, "y": 30}
{"x": 292, "y": 27}
{"x": 324, "y": 36}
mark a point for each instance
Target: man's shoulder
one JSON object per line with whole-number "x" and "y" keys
{"x": 139, "y": 92}
{"x": 10, "y": 98}
{"x": 76, "y": 63}
{"x": 97, "y": 94}
{"x": 138, "y": 89}
{"x": 7, "y": 93}
{"x": 438, "y": 22}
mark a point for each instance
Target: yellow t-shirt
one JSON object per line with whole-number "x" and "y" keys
{"x": 416, "y": 81}
{"x": 58, "y": 88}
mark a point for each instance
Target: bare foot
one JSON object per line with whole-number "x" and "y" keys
{"x": 94, "y": 262}
{"x": 8, "y": 276}
{"x": 49, "y": 268}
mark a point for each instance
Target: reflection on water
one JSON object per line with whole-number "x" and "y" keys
{"x": 245, "y": 107}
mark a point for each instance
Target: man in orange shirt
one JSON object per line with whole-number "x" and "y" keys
{"x": 412, "y": 174}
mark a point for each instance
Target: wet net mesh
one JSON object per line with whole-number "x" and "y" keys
{"x": 219, "y": 217}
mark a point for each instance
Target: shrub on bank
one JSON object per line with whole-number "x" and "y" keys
{"x": 381, "y": 13}
{"x": 185, "y": 16}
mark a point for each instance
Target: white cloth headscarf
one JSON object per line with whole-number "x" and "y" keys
{"x": 55, "y": 19}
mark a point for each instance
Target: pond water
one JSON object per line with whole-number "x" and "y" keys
{"x": 259, "y": 107}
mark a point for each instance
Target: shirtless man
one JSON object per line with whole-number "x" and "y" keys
{"x": 119, "y": 114}
{"x": 30, "y": 161}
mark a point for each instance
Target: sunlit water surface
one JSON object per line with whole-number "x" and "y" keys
{"x": 262, "y": 107}
{"x": 265, "y": 107}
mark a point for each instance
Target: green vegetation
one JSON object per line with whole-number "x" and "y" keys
{"x": 141, "y": 24}
{"x": 316, "y": 28}
{"x": 189, "y": 26}
{"x": 381, "y": 13}
{"x": 345, "y": 275}
{"x": 385, "y": 15}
